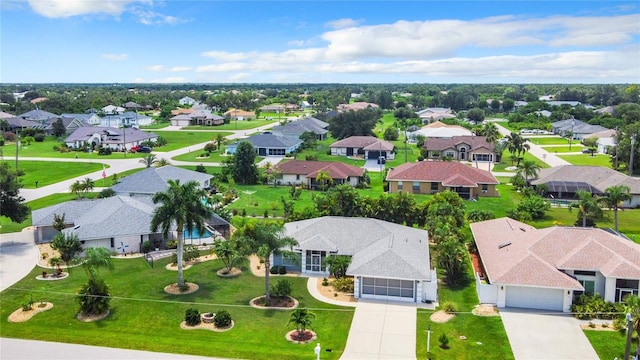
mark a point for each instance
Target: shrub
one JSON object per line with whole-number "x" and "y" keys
{"x": 104, "y": 151}
{"x": 325, "y": 282}
{"x": 172, "y": 244}
{"x": 39, "y": 137}
{"x": 146, "y": 246}
{"x": 266, "y": 213}
{"x": 26, "y": 306}
{"x": 444, "y": 341}
{"x": 210, "y": 147}
{"x": 105, "y": 193}
{"x": 222, "y": 319}
{"x": 94, "y": 297}
{"x": 192, "y": 317}
{"x": 344, "y": 285}
{"x": 594, "y": 307}
{"x": 448, "y": 307}
{"x": 282, "y": 270}
{"x": 10, "y": 136}
{"x": 273, "y": 270}
{"x": 311, "y": 158}
{"x": 282, "y": 288}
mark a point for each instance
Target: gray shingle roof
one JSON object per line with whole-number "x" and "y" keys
{"x": 115, "y": 134}
{"x": 598, "y": 177}
{"x": 378, "y": 248}
{"x": 272, "y": 141}
{"x": 152, "y": 180}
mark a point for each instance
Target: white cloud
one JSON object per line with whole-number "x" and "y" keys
{"x": 181, "y": 68}
{"x": 238, "y": 77}
{"x": 342, "y": 23}
{"x": 296, "y": 43}
{"x": 154, "y": 68}
{"x": 67, "y": 8}
{"x": 115, "y": 57}
{"x": 150, "y": 17}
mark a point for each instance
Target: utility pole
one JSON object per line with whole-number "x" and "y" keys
{"x": 633, "y": 143}
{"x": 627, "y": 348}
{"x": 17, "y": 145}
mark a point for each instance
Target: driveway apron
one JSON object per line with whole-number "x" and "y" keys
{"x": 543, "y": 335}
{"x": 382, "y": 331}
{"x": 18, "y": 256}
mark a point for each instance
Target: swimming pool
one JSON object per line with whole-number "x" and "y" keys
{"x": 195, "y": 235}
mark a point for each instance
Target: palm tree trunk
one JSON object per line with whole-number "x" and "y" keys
{"x": 615, "y": 217}
{"x": 180, "y": 256}
{"x": 267, "y": 267}
{"x": 584, "y": 219}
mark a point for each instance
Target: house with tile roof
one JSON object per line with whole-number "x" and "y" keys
{"x": 116, "y": 139}
{"x": 463, "y": 148}
{"x": 430, "y": 177}
{"x": 299, "y": 127}
{"x": 239, "y": 114}
{"x": 370, "y": 147}
{"x": 355, "y": 106}
{"x": 606, "y": 140}
{"x": 562, "y": 182}
{"x": 549, "y": 268}
{"x": 269, "y": 144}
{"x": 306, "y": 172}
{"x": 429, "y": 115}
{"x": 389, "y": 262}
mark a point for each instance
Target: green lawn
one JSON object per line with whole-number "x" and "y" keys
{"x": 587, "y": 159}
{"x": 551, "y": 140}
{"x": 235, "y": 125}
{"x": 195, "y": 156}
{"x": 46, "y": 174}
{"x": 185, "y": 138}
{"x": 608, "y": 344}
{"x": 144, "y": 317}
{"x": 563, "y": 149}
{"x": 157, "y": 125}
{"x": 497, "y": 205}
{"x": 506, "y": 159}
{"x": 45, "y": 149}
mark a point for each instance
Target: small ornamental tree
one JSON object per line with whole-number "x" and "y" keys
{"x": 302, "y": 319}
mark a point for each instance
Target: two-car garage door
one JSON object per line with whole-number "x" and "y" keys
{"x": 534, "y": 298}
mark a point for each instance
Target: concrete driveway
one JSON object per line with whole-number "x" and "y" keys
{"x": 18, "y": 256}
{"x": 382, "y": 331}
{"x": 544, "y": 335}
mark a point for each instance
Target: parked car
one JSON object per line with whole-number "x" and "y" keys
{"x": 586, "y": 150}
{"x": 145, "y": 149}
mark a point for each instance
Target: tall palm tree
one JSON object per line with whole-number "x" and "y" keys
{"x": 87, "y": 185}
{"x": 499, "y": 148}
{"x": 148, "y": 160}
{"x": 490, "y": 131}
{"x": 76, "y": 188}
{"x": 614, "y": 197}
{"x": 269, "y": 239}
{"x": 182, "y": 207}
{"x": 219, "y": 141}
{"x": 528, "y": 169}
{"x": 587, "y": 205}
{"x": 302, "y": 319}
{"x": 517, "y": 145}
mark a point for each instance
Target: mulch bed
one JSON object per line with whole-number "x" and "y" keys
{"x": 477, "y": 265}
{"x": 174, "y": 289}
{"x": 22, "y": 316}
{"x": 285, "y": 303}
{"x": 301, "y": 338}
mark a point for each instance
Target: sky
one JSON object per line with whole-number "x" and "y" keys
{"x": 313, "y": 41}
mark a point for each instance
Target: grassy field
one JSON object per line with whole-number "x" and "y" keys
{"x": 563, "y": 149}
{"x": 158, "y": 125}
{"x": 184, "y": 138}
{"x": 195, "y": 156}
{"x": 608, "y": 344}
{"x": 46, "y": 174}
{"x": 551, "y": 140}
{"x": 234, "y": 125}
{"x": 587, "y": 159}
{"x": 144, "y": 317}
{"x": 45, "y": 149}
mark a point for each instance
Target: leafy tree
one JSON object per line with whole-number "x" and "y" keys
{"x": 446, "y": 207}
{"x": 338, "y": 265}
{"x": 587, "y": 206}
{"x": 495, "y": 105}
{"x": 531, "y": 207}
{"x": 309, "y": 139}
{"x": 11, "y": 203}
{"x": 351, "y": 123}
{"x": 58, "y": 128}
{"x": 269, "y": 239}
{"x": 201, "y": 169}
{"x": 302, "y": 319}
{"x": 614, "y": 196}
{"x": 67, "y": 245}
{"x": 476, "y": 115}
{"x": 508, "y": 105}
{"x": 451, "y": 256}
{"x": 480, "y": 215}
{"x": 390, "y": 134}
{"x": 181, "y": 206}
{"x": 149, "y": 160}
{"x": 528, "y": 169}
{"x": 244, "y": 168}
{"x": 58, "y": 222}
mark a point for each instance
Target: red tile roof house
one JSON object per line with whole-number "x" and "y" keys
{"x": 368, "y": 146}
{"x": 429, "y": 177}
{"x": 549, "y": 268}
{"x": 306, "y": 172}
{"x": 464, "y": 148}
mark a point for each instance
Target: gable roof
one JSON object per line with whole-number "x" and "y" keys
{"x": 515, "y": 253}
{"x": 271, "y": 141}
{"x": 598, "y": 177}
{"x": 37, "y": 115}
{"x": 474, "y": 142}
{"x": 378, "y": 248}
{"x": 115, "y": 135}
{"x": 577, "y": 126}
{"x": 299, "y": 127}
{"x": 363, "y": 142}
{"x": 336, "y": 170}
{"x": 152, "y": 180}
{"x": 449, "y": 173}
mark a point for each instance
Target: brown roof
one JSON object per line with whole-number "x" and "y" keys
{"x": 363, "y": 142}
{"x": 181, "y": 111}
{"x": 449, "y": 173}
{"x": 474, "y": 142}
{"x": 336, "y": 170}
{"x": 598, "y": 177}
{"x": 515, "y": 253}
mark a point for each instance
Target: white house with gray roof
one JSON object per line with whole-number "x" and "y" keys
{"x": 269, "y": 144}
{"x": 388, "y": 261}
{"x": 152, "y": 180}
{"x": 129, "y": 118}
{"x": 115, "y": 138}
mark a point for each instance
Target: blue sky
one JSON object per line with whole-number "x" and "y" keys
{"x": 171, "y": 41}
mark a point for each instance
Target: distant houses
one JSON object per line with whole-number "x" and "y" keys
{"x": 197, "y": 118}
{"x": 129, "y": 118}
{"x": 578, "y": 129}
{"x": 299, "y": 127}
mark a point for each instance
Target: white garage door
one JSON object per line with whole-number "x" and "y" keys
{"x": 534, "y": 298}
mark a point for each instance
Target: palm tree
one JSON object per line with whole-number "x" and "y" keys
{"x": 87, "y": 185}
{"x": 162, "y": 162}
{"x": 226, "y": 250}
{"x": 269, "y": 239}
{"x": 95, "y": 258}
{"x": 76, "y": 188}
{"x": 587, "y": 205}
{"x": 517, "y": 145}
{"x": 148, "y": 160}
{"x": 94, "y": 295}
{"x": 219, "y": 141}
{"x": 490, "y": 131}
{"x": 181, "y": 207}
{"x": 528, "y": 169}
{"x": 302, "y": 319}
{"x": 614, "y": 197}
{"x": 499, "y": 148}
{"x": 324, "y": 178}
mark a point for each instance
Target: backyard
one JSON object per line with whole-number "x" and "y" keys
{"x": 47, "y": 175}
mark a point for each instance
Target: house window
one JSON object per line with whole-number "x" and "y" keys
{"x": 416, "y": 187}
{"x": 297, "y": 176}
{"x": 485, "y": 188}
{"x": 585, "y": 273}
{"x": 400, "y": 185}
{"x": 112, "y": 242}
{"x": 315, "y": 260}
{"x": 449, "y": 154}
{"x": 434, "y": 187}
{"x": 626, "y": 287}
{"x": 482, "y": 157}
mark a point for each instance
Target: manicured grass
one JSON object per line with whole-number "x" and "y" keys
{"x": 564, "y": 149}
{"x": 608, "y": 344}
{"x": 144, "y": 317}
{"x": 587, "y": 159}
{"x": 185, "y": 138}
{"x": 551, "y": 140}
{"x": 506, "y": 159}
{"x": 235, "y": 125}
{"x": 45, "y": 149}
{"x": 158, "y": 125}
{"x": 497, "y": 205}
{"x": 501, "y": 167}
{"x": 46, "y": 173}
{"x": 215, "y": 157}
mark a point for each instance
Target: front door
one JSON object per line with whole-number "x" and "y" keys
{"x": 315, "y": 262}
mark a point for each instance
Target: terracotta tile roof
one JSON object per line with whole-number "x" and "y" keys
{"x": 449, "y": 173}
{"x": 474, "y": 142}
{"x": 363, "y": 142}
{"x": 181, "y": 111}
{"x": 515, "y": 253}
{"x": 336, "y": 170}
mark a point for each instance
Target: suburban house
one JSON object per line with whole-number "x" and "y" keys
{"x": 115, "y": 138}
{"x": 129, "y": 118}
{"x": 355, "y": 106}
{"x": 197, "y": 118}
{"x": 70, "y": 124}
{"x": 4, "y": 115}
{"x": 576, "y": 127}
{"x": 16, "y": 124}
{"x": 279, "y": 108}
{"x": 438, "y": 129}
{"x": 463, "y": 148}
{"x": 112, "y": 110}
{"x": 89, "y": 118}
{"x": 180, "y": 111}
{"x": 562, "y": 182}
{"x": 132, "y": 106}
{"x": 306, "y": 172}
{"x": 430, "y": 177}
{"x": 549, "y": 268}
{"x": 429, "y": 115}
{"x": 154, "y": 179}
{"x": 187, "y": 101}
{"x": 269, "y": 144}
{"x": 608, "y": 110}
{"x": 39, "y": 116}
{"x": 297, "y": 128}
{"x": 606, "y": 140}
{"x": 368, "y": 146}
{"x": 239, "y": 114}
{"x": 388, "y": 261}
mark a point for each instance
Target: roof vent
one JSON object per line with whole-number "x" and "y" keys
{"x": 523, "y": 229}
{"x": 76, "y": 227}
{"x": 504, "y": 244}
